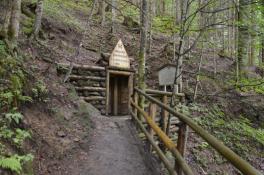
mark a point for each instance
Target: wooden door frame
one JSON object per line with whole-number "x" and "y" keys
{"x": 110, "y": 72}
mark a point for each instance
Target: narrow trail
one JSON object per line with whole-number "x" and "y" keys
{"x": 114, "y": 150}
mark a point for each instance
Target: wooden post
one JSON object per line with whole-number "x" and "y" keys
{"x": 136, "y": 102}
{"x": 130, "y": 89}
{"x": 164, "y": 119}
{"x": 116, "y": 96}
{"x": 152, "y": 114}
{"x": 165, "y": 114}
{"x": 107, "y": 92}
{"x": 181, "y": 143}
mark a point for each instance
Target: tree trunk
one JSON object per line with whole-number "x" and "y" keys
{"x": 262, "y": 35}
{"x": 114, "y": 6}
{"x": 142, "y": 52}
{"x": 14, "y": 23}
{"x": 38, "y": 19}
{"x": 101, "y": 11}
{"x": 243, "y": 36}
{"x": 5, "y": 8}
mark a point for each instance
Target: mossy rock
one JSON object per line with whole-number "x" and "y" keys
{"x": 130, "y": 23}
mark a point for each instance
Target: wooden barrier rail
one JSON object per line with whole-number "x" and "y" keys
{"x": 232, "y": 157}
{"x": 165, "y": 139}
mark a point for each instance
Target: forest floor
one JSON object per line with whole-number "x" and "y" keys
{"x": 62, "y": 142}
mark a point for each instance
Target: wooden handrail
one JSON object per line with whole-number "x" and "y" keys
{"x": 234, "y": 159}
{"x": 155, "y": 146}
{"x": 157, "y": 92}
{"x": 166, "y": 140}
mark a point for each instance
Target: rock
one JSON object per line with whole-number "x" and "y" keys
{"x": 129, "y": 22}
{"x": 67, "y": 117}
{"x": 112, "y": 125}
{"x": 76, "y": 139}
{"x": 61, "y": 133}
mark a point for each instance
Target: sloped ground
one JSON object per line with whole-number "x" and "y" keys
{"x": 62, "y": 143}
{"x": 116, "y": 149}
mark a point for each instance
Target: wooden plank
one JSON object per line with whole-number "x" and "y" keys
{"x": 231, "y": 156}
{"x": 116, "y": 96}
{"x": 91, "y": 98}
{"x": 181, "y": 144}
{"x": 107, "y": 92}
{"x": 77, "y": 77}
{"x": 120, "y": 72}
{"x": 152, "y": 114}
{"x": 82, "y": 66}
{"x": 157, "y": 92}
{"x": 88, "y": 88}
{"x": 166, "y": 140}
{"x": 165, "y": 114}
{"x": 161, "y": 155}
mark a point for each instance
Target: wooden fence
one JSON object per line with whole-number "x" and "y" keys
{"x": 177, "y": 150}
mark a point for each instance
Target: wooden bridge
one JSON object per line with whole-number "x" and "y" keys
{"x": 152, "y": 120}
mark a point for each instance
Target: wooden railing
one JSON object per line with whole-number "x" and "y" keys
{"x": 153, "y": 128}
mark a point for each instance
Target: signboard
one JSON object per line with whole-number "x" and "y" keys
{"x": 167, "y": 75}
{"x": 119, "y": 57}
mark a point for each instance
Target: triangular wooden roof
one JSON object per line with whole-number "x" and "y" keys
{"x": 119, "y": 56}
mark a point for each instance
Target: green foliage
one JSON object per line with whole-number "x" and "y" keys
{"x": 12, "y": 80}
{"x": 20, "y": 136}
{"x": 16, "y": 117}
{"x": 250, "y": 85}
{"x": 15, "y": 162}
{"x": 27, "y": 25}
{"x": 241, "y": 133}
{"x": 40, "y": 91}
{"x": 130, "y": 11}
{"x": 164, "y": 24}
{"x": 57, "y": 9}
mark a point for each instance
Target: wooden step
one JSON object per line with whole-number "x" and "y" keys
{"x": 77, "y": 77}
{"x": 91, "y": 98}
{"x": 82, "y": 66}
{"x": 88, "y": 88}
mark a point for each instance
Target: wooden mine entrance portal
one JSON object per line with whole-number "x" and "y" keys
{"x": 119, "y": 82}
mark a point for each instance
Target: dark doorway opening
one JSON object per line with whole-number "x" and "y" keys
{"x": 119, "y": 95}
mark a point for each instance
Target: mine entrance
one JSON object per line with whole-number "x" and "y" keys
{"x": 118, "y": 95}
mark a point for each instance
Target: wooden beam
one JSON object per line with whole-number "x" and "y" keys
{"x": 82, "y": 66}
{"x": 157, "y": 92}
{"x": 152, "y": 114}
{"x": 107, "y": 92}
{"x": 161, "y": 155}
{"x": 88, "y": 88}
{"x": 231, "y": 156}
{"x": 120, "y": 72}
{"x": 116, "y": 96}
{"x": 91, "y": 98}
{"x": 77, "y": 77}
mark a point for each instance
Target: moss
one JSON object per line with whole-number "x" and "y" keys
{"x": 242, "y": 136}
{"x": 62, "y": 10}
{"x": 249, "y": 85}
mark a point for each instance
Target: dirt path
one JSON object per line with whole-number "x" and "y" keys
{"x": 114, "y": 149}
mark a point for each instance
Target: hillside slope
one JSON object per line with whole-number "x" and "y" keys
{"x": 59, "y": 120}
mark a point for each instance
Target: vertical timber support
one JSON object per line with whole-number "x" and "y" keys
{"x": 116, "y": 96}
{"x": 152, "y": 114}
{"x": 136, "y": 102}
{"x": 181, "y": 143}
{"x": 130, "y": 89}
{"x": 107, "y": 94}
{"x": 165, "y": 113}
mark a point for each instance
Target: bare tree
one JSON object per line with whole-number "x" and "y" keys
{"x": 38, "y": 19}
{"x": 142, "y": 52}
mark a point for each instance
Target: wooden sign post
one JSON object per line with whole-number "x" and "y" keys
{"x": 119, "y": 57}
